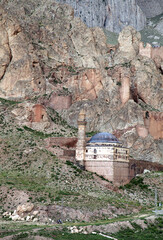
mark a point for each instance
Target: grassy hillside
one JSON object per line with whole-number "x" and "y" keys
{"x": 59, "y": 189}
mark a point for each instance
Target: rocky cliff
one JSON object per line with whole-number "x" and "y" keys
{"x": 151, "y": 8}
{"x": 109, "y": 14}
{"x": 117, "y": 86}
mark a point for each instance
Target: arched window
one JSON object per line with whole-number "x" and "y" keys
{"x": 95, "y": 150}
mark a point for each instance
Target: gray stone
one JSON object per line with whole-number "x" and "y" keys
{"x": 151, "y": 8}
{"x": 109, "y": 14}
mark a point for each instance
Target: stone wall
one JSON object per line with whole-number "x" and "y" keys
{"x": 102, "y": 168}
{"x": 138, "y": 166}
{"x": 61, "y": 142}
{"x": 149, "y": 51}
{"x": 121, "y": 173}
{"x": 157, "y": 52}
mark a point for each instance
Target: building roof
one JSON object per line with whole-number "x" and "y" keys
{"x": 103, "y": 137}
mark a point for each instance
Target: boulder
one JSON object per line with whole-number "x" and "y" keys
{"x": 24, "y": 208}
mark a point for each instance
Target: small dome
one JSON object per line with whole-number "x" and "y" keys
{"x": 103, "y": 137}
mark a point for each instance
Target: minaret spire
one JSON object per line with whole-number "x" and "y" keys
{"x": 80, "y": 148}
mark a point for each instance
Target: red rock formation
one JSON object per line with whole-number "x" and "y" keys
{"x": 60, "y": 102}
{"x": 86, "y": 84}
{"x": 125, "y": 89}
{"x": 154, "y": 123}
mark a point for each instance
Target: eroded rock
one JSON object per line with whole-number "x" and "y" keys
{"x": 20, "y": 72}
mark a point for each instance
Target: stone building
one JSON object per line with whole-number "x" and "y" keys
{"x": 102, "y": 154}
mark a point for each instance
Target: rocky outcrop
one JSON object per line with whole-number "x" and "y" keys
{"x": 147, "y": 76}
{"x": 128, "y": 45}
{"x": 32, "y": 115}
{"x": 108, "y": 14}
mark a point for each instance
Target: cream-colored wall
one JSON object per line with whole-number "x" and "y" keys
{"x": 102, "y": 153}
{"x": 104, "y": 159}
{"x": 121, "y": 154}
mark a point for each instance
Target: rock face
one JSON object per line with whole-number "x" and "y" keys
{"x": 151, "y": 8}
{"x": 115, "y": 85}
{"x": 128, "y": 45}
{"x": 108, "y": 14}
{"x": 159, "y": 27}
{"x": 20, "y": 72}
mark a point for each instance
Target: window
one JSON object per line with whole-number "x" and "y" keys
{"x": 94, "y": 156}
{"x": 95, "y": 150}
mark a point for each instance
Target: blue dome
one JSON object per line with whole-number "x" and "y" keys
{"x": 103, "y": 137}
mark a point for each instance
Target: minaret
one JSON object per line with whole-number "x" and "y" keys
{"x": 80, "y": 147}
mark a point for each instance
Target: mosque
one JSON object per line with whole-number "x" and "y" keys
{"x": 102, "y": 154}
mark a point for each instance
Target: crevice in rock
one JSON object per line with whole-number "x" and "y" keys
{"x": 7, "y": 65}
{"x": 16, "y": 31}
{"x": 140, "y": 98}
{"x": 161, "y": 70}
{"x": 134, "y": 93}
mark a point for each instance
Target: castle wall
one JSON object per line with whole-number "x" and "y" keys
{"x": 157, "y": 52}
{"x": 150, "y": 52}
{"x": 138, "y": 166}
